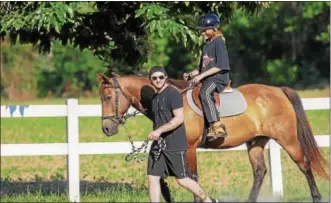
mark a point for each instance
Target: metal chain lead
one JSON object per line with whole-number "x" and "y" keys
{"x": 162, "y": 145}
{"x": 134, "y": 154}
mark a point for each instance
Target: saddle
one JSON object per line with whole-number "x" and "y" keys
{"x": 230, "y": 102}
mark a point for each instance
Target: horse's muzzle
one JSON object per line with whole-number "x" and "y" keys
{"x": 110, "y": 131}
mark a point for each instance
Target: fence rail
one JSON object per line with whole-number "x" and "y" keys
{"x": 73, "y": 148}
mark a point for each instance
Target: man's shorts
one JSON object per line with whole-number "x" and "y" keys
{"x": 168, "y": 164}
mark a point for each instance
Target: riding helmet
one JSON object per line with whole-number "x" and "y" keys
{"x": 210, "y": 20}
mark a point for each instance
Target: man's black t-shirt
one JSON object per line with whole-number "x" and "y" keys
{"x": 214, "y": 54}
{"x": 163, "y": 105}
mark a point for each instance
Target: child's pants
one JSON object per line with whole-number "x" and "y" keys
{"x": 208, "y": 101}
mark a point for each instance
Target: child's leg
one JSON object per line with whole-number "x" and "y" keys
{"x": 210, "y": 112}
{"x": 208, "y": 102}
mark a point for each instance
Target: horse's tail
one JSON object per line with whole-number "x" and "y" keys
{"x": 305, "y": 135}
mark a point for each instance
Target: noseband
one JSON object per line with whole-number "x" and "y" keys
{"x": 116, "y": 118}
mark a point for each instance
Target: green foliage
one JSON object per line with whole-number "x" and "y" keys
{"x": 281, "y": 73}
{"x": 66, "y": 71}
{"x": 72, "y": 73}
{"x": 285, "y": 43}
{"x": 179, "y": 18}
{"x": 108, "y": 29}
{"x": 114, "y": 31}
{"x": 290, "y": 41}
{"x": 18, "y": 71}
{"x": 314, "y": 9}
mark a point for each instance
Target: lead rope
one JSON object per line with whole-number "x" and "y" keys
{"x": 134, "y": 154}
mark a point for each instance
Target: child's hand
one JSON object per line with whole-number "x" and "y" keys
{"x": 196, "y": 80}
{"x": 186, "y": 76}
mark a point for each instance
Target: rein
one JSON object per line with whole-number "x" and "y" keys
{"x": 191, "y": 86}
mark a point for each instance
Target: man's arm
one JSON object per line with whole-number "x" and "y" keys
{"x": 176, "y": 121}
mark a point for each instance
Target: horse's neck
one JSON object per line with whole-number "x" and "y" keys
{"x": 140, "y": 91}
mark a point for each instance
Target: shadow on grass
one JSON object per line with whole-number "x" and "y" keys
{"x": 60, "y": 187}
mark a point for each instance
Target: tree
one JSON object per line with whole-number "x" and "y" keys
{"x": 114, "y": 31}
{"x": 285, "y": 44}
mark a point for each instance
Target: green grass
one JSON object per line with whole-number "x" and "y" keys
{"x": 225, "y": 175}
{"x": 314, "y": 93}
{"x": 50, "y": 130}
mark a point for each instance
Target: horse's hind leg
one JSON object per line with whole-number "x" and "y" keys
{"x": 295, "y": 151}
{"x": 256, "y": 157}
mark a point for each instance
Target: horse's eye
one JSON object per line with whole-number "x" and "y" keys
{"x": 107, "y": 98}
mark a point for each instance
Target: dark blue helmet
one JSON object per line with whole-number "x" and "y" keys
{"x": 207, "y": 21}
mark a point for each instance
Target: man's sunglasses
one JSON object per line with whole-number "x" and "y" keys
{"x": 161, "y": 77}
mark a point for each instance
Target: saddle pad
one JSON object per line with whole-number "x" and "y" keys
{"x": 231, "y": 103}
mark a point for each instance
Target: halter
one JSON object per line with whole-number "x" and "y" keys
{"x": 116, "y": 118}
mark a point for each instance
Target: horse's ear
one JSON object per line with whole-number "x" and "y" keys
{"x": 101, "y": 77}
{"x": 115, "y": 74}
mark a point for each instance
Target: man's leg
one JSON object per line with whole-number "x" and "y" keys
{"x": 154, "y": 188}
{"x": 177, "y": 163}
{"x": 155, "y": 169}
{"x": 195, "y": 188}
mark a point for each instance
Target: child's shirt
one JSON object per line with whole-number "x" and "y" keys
{"x": 215, "y": 54}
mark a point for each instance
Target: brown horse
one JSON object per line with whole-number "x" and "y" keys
{"x": 272, "y": 113}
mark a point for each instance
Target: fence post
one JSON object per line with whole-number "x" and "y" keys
{"x": 275, "y": 165}
{"x": 73, "y": 154}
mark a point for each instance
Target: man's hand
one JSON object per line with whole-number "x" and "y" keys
{"x": 154, "y": 135}
{"x": 196, "y": 80}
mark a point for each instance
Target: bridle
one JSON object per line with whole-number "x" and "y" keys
{"x": 116, "y": 118}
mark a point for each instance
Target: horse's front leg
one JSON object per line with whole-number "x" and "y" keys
{"x": 192, "y": 166}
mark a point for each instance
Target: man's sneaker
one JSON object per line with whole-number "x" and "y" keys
{"x": 213, "y": 199}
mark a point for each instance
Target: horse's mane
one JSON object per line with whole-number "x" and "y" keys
{"x": 180, "y": 84}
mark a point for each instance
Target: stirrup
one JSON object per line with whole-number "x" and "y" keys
{"x": 217, "y": 134}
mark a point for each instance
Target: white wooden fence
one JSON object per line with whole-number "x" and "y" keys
{"x": 73, "y": 148}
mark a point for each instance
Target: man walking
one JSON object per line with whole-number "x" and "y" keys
{"x": 167, "y": 156}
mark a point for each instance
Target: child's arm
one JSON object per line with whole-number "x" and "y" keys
{"x": 190, "y": 75}
{"x": 207, "y": 73}
{"x": 194, "y": 73}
